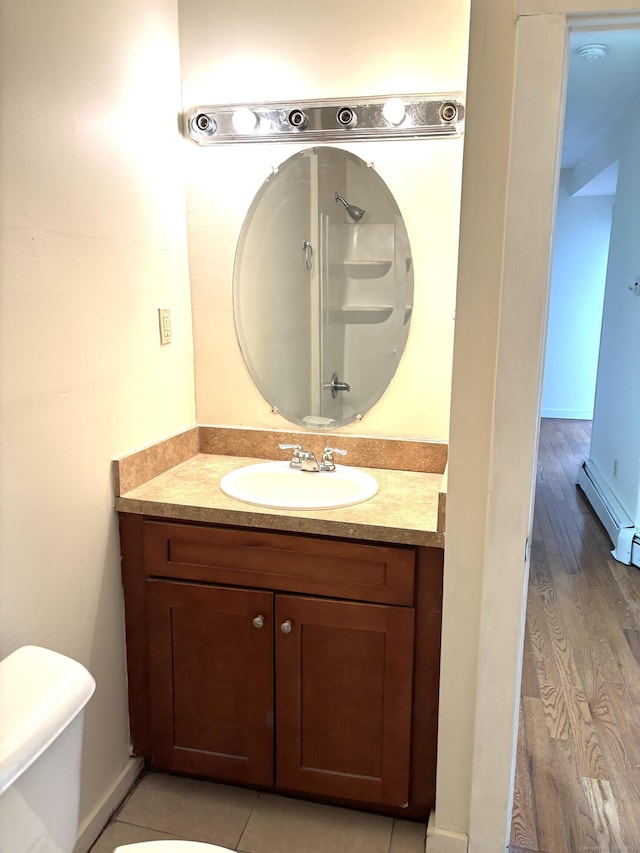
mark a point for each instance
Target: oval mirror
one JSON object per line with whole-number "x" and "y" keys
{"x": 323, "y": 288}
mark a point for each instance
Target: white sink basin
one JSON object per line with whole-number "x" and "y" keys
{"x": 277, "y": 485}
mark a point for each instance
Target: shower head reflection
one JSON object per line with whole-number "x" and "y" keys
{"x": 356, "y": 213}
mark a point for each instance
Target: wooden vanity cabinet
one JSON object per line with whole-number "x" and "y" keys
{"x": 303, "y": 664}
{"x": 343, "y": 699}
{"x": 211, "y": 681}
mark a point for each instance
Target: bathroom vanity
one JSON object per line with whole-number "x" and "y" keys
{"x": 289, "y": 651}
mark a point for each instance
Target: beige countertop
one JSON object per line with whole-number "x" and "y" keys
{"x": 408, "y": 509}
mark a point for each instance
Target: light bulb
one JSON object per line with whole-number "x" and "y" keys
{"x": 394, "y": 111}
{"x": 244, "y": 120}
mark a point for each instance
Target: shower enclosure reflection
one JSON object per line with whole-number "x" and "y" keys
{"x": 323, "y": 288}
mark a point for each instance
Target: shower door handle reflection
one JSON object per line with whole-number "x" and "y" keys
{"x": 308, "y": 255}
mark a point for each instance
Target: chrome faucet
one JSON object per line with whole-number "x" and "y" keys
{"x": 296, "y": 456}
{"x": 309, "y": 461}
{"x": 327, "y": 463}
{"x": 306, "y": 460}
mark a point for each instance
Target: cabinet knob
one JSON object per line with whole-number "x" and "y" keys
{"x": 258, "y": 621}
{"x": 286, "y": 627}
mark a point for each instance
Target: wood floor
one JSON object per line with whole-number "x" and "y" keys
{"x": 578, "y": 766}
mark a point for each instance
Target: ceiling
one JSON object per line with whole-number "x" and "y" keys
{"x": 599, "y": 93}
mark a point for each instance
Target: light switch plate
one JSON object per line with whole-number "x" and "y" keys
{"x": 164, "y": 317}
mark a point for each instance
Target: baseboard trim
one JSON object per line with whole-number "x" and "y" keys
{"x": 444, "y": 840}
{"x": 92, "y": 826}
{"x": 568, "y": 414}
{"x": 609, "y": 510}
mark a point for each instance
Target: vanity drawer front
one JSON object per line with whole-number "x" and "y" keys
{"x": 308, "y": 564}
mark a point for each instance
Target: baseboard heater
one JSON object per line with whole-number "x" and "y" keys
{"x": 622, "y": 531}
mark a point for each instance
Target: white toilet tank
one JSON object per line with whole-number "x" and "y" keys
{"x": 42, "y": 697}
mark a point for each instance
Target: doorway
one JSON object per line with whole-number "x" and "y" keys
{"x": 509, "y": 194}
{"x": 575, "y": 784}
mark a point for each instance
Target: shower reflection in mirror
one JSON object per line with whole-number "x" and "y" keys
{"x": 343, "y": 311}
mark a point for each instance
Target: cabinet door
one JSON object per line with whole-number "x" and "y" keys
{"x": 343, "y": 697}
{"x": 211, "y": 680}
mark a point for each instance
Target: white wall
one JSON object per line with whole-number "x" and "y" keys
{"x": 484, "y": 189}
{"x": 580, "y": 251}
{"x": 298, "y": 52}
{"x": 93, "y": 241}
{"x": 615, "y": 444}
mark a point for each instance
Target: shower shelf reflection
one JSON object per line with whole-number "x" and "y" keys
{"x": 367, "y": 269}
{"x": 358, "y": 314}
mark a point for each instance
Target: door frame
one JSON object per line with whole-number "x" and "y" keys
{"x": 515, "y": 114}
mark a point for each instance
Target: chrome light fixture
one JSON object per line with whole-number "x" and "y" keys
{"x": 388, "y": 117}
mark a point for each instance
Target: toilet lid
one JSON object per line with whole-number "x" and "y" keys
{"x": 171, "y": 847}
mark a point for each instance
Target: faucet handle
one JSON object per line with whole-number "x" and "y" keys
{"x": 296, "y": 456}
{"x": 327, "y": 463}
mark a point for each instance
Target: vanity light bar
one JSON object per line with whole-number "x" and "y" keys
{"x": 392, "y": 117}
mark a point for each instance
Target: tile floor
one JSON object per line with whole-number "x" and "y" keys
{"x": 166, "y": 807}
